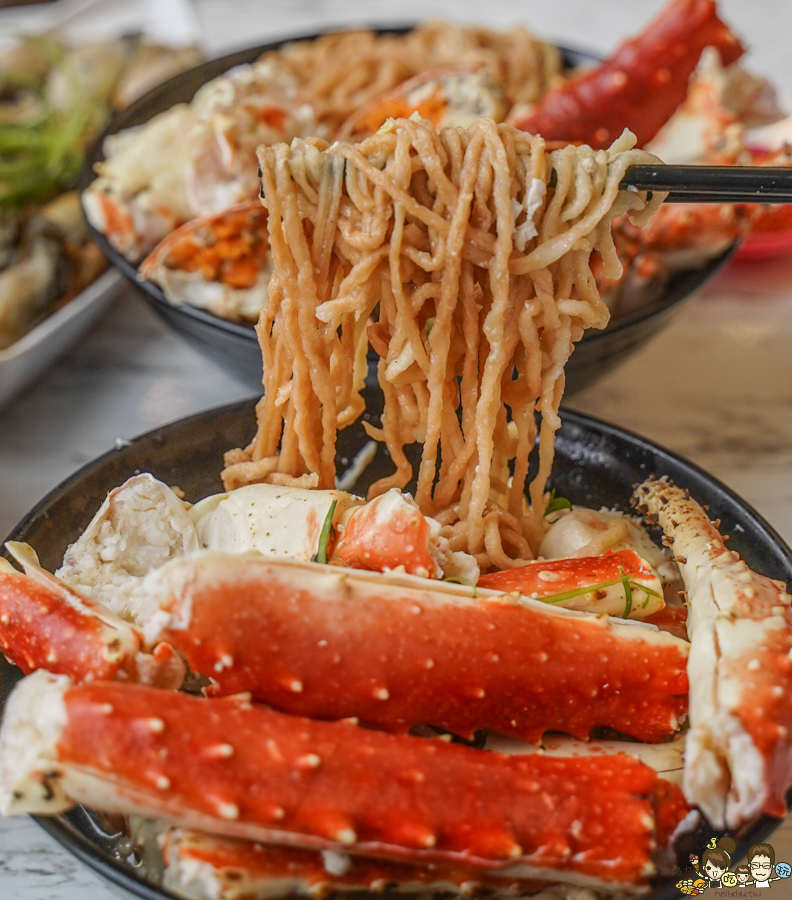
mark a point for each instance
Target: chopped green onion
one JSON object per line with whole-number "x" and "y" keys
{"x": 321, "y": 553}
{"x": 458, "y": 579}
{"x": 624, "y": 579}
{"x": 554, "y": 504}
{"x": 579, "y": 592}
{"x": 40, "y": 158}
{"x": 429, "y": 326}
{"x": 627, "y": 596}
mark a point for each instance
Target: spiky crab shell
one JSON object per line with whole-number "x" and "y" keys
{"x": 45, "y": 624}
{"x": 739, "y": 748}
{"x": 215, "y": 868}
{"x": 230, "y": 768}
{"x": 397, "y": 651}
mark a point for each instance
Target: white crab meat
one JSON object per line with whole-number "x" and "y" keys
{"x": 268, "y": 519}
{"x": 140, "y": 194}
{"x": 247, "y": 106}
{"x": 139, "y": 527}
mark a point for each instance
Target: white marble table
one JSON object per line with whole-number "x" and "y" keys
{"x": 715, "y": 387}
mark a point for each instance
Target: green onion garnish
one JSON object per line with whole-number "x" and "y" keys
{"x": 627, "y": 596}
{"x": 458, "y": 579}
{"x": 629, "y": 586}
{"x": 554, "y": 504}
{"x": 321, "y": 553}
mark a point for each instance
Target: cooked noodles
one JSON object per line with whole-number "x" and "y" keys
{"x": 475, "y": 247}
{"x": 321, "y": 68}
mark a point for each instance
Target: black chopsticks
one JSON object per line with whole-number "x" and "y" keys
{"x": 713, "y": 184}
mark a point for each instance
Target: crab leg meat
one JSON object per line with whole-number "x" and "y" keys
{"x": 595, "y": 107}
{"x": 44, "y": 624}
{"x": 739, "y": 750}
{"x": 618, "y": 584}
{"x": 231, "y": 768}
{"x": 215, "y": 868}
{"x": 398, "y": 651}
{"x": 219, "y": 262}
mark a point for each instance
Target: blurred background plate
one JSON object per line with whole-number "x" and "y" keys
{"x": 29, "y": 357}
{"x": 233, "y": 344}
{"x": 595, "y": 465}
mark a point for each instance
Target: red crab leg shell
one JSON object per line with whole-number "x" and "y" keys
{"x": 399, "y": 651}
{"x": 640, "y": 86}
{"x": 545, "y": 578}
{"x": 739, "y": 748}
{"x": 46, "y": 625}
{"x": 231, "y": 768}
{"x": 672, "y": 812}
{"x": 387, "y": 532}
{"x": 217, "y": 867}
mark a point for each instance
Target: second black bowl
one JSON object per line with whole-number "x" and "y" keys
{"x": 233, "y": 344}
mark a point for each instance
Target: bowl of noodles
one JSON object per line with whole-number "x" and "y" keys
{"x": 464, "y": 259}
{"x": 640, "y": 306}
{"x": 595, "y": 465}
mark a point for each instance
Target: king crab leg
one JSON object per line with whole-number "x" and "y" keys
{"x": 595, "y": 107}
{"x": 398, "y": 651}
{"x": 215, "y": 868}
{"x": 44, "y": 624}
{"x": 230, "y": 768}
{"x": 619, "y": 584}
{"x": 739, "y": 751}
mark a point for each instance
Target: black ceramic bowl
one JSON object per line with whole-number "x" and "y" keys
{"x": 595, "y": 465}
{"x": 233, "y": 345}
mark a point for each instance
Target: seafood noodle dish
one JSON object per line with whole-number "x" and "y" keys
{"x": 178, "y": 194}
{"x": 471, "y": 688}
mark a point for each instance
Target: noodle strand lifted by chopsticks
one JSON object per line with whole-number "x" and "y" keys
{"x": 475, "y": 247}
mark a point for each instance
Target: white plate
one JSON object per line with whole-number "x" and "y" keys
{"x": 29, "y": 357}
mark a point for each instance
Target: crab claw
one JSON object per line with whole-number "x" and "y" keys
{"x": 397, "y": 650}
{"x": 640, "y": 86}
{"x": 44, "y": 624}
{"x": 230, "y": 768}
{"x": 449, "y": 97}
{"x": 739, "y": 748}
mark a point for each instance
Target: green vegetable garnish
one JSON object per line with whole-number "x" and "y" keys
{"x": 429, "y": 326}
{"x": 458, "y": 579}
{"x": 45, "y": 155}
{"x": 629, "y": 586}
{"x": 553, "y": 179}
{"x": 321, "y": 553}
{"x": 554, "y": 504}
{"x": 627, "y": 596}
